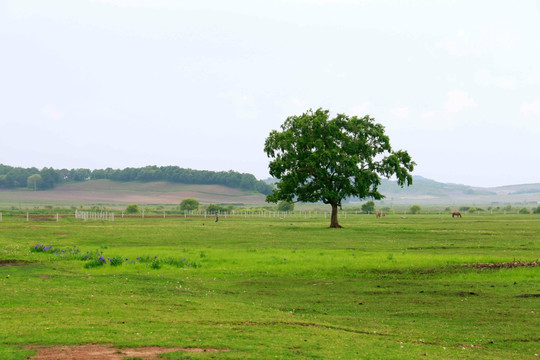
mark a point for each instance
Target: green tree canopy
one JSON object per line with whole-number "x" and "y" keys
{"x": 133, "y": 209}
{"x": 368, "y": 207}
{"x": 189, "y": 204}
{"x": 34, "y": 181}
{"x": 317, "y": 158}
{"x": 415, "y": 209}
{"x": 285, "y": 206}
{"x": 213, "y": 208}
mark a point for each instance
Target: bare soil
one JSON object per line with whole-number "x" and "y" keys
{"x": 105, "y": 352}
{"x": 511, "y": 264}
{"x": 11, "y": 262}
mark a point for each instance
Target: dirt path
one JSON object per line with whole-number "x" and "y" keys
{"x": 103, "y": 352}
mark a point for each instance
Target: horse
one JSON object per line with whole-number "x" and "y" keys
{"x": 378, "y": 215}
{"x": 456, "y": 214}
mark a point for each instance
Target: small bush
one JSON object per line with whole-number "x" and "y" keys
{"x": 133, "y": 209}
{"x": 415, "y": 209}
{"x": 155, "y": 264}
{"x": 42, "y": 248}
{"x": 115, "y": 261}
{"x": 524, "y": 211}
{"x": 95, "y": 263}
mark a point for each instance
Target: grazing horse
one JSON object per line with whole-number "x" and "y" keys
{"x": 378, "y": 215}
{"x": 456, "y": 214}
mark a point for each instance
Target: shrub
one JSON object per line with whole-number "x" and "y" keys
{"x": 415, "y": 209}
{"x": 285, "y": 206}
{"x": 524, "y": 211}
{"x": 537, "y": 210}
{"x": 368, "y": 207}
{"x": 133, "y": 209}
{"x": 95, "y": 262}
{"x": 116, "y": 260}
{"x": 189, "y": 204}
{"x": 42, "y": 248}
{"x": 213, "y": 208}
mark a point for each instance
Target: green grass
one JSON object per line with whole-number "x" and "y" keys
{"x": 270, "y": 288}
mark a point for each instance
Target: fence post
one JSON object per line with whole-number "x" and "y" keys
{"x": 56, "y": 217}
{"x": 27, "y": 216}
{"x": 0, "y": 216}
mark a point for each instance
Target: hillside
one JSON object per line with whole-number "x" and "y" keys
{"x": 426, "y": 191}
{"x": 107, "y": 192}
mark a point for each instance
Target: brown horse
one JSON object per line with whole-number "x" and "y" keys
{"x": 378, "y": 215}
{"x": 456, "y": 214}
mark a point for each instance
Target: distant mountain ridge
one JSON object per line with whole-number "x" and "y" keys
{"x": 48, "y": 178}
{"x": 427, "y": 191}
{"x": 424, "y": 190}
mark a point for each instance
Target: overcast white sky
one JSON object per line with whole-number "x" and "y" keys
{"x": 200, "y": 84}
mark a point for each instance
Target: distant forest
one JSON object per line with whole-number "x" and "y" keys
{"x": 48, "y": 178}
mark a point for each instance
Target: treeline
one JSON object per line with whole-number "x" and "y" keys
{"x": 48, "y": 178}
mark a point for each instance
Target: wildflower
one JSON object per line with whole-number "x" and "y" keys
{"x": 102, "y": 259}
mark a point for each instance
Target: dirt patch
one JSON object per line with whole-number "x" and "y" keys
{"x": 104, "y": 352}
{"x": 512, "y": 264}
{"x": 60, "y": 234}
{"x": 11, "y": 262}
{"x": 529, "y": 295}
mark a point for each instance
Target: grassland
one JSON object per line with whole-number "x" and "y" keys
{"x": 262, "y": 288}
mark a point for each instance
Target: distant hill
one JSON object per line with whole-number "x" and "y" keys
{"x": 430, "y": 192}
{"x": 111, "y": 193}
{"x": 48, "y": 178}
{"x": 426, "y": 191}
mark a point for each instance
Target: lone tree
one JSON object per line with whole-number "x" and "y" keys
{"x": 189, "y": 204}
{"x": 317, "y": 158}
{"x": 368, "y": 207}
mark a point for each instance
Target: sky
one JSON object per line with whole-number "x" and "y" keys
{"x": 200, "y": 84}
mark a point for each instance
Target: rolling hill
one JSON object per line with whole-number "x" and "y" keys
{"x": 426, "y": 191}
{"x": 107, "y": 192}
{"x": 110, "y": 193}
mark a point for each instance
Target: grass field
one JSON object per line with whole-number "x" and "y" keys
{"x": 260, "y": 288}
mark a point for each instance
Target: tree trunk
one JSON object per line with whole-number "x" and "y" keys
{"x": 334, "y": 219}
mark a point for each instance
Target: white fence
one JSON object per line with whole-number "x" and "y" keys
{"x": 99, "y": 216}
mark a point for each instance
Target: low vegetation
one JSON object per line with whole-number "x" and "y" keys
{"x": 255, "y": 287}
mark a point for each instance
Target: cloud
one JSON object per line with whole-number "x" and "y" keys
{"x": 323, "y": 2}
{"x": 485, "y": 78}
{"x": 402, "y": 113}
{"x": 458, "y": 100}
{"x": 244, "y": 105}
{"x": 361, "y": 109}
{"x": 530, "y": 108}
{"x": 51, "y": 113}
{"x": 480, "y": 41}
{"x": 428, "y": 115}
